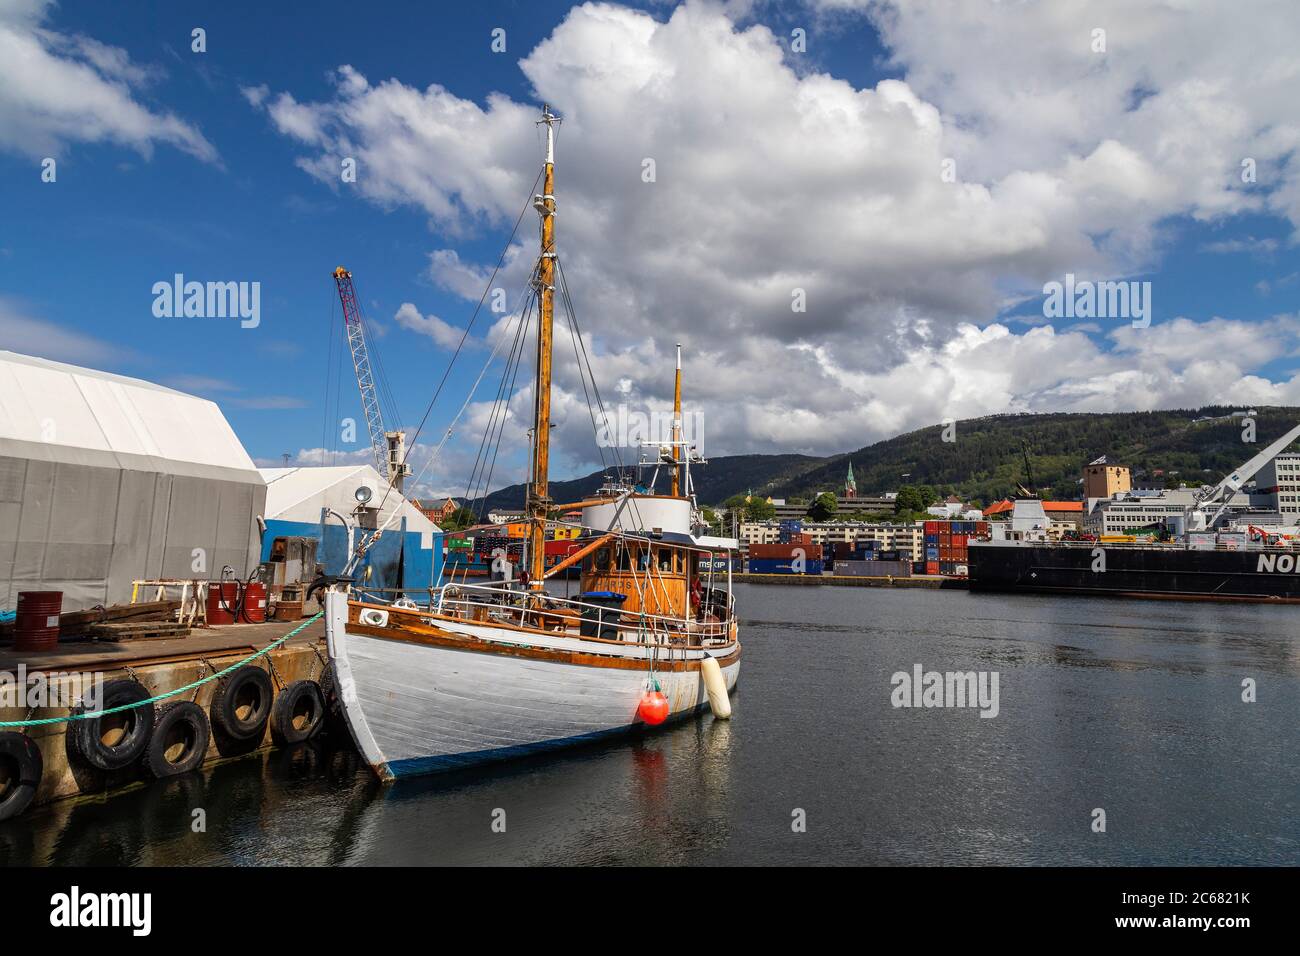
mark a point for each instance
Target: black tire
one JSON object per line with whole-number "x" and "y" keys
{"x": 114, "y": 741}
{"x": 241, "y": 705}
{"x": 298, "y": 714}
{"x": 21, "y": 766}
{"x": 180, "y": 740}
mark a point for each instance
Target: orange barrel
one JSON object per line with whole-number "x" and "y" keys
{"x": 227, "y": 592}
{"x": 254, "y": 602}
{"x": 36, "y": 620}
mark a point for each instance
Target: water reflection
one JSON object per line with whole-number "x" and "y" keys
{"x": 1131, "y": 706}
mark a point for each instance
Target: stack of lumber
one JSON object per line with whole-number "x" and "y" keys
{"x": 74, "y": 624}
{"x": 139, "y": 631}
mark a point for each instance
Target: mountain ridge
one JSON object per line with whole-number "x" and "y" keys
{"x": 984, "y": 461}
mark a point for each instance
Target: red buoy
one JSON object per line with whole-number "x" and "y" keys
{"x": 653, "y": 708}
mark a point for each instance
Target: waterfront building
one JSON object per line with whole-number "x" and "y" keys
{"x": 1062, "y": 516}
{"x": 901, "y": 537}
{"x": 437, "y": 510}
{"x": 1277, "y": 487}
{"x": 1105, "y": 478}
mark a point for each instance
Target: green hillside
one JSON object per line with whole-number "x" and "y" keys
{"x": 985, "y": 462}
{"x": 717, "y": 481}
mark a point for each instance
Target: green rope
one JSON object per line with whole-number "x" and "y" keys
{"x": 171, "y": 693}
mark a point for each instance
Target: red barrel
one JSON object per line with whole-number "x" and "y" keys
{"x": 228, "y": 593}
{"x": 254, "y": 603}
{"x": 36, "y": 621}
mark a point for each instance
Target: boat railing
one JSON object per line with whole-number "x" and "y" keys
{"x": 463, "y": 599}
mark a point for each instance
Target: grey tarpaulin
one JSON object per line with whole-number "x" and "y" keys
{"x": 106, "y": 479}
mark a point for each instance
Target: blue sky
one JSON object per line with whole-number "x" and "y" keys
{"x": 232, "y": 197}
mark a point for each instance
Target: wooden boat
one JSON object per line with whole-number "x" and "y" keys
{"x": 484, "y": 671}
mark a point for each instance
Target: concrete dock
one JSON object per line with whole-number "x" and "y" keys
{"x": 160, "y": 665}
{"x": 931, "y": 582}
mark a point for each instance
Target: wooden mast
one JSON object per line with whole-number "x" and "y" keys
{"x": 677, "y": 426}
{"x": 539, "y": 498}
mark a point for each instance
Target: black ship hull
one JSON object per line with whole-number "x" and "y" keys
{"x": 1149, "y": 572}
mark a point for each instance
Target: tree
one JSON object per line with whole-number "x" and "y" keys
{"x": 823, "y": 507}
{"x": 928, "y": 496}
{"x": 759, "y": 510}
{"x": 909, "y": 500}
{"x": 735, "y": 503}
{"x": 459, "y": 520}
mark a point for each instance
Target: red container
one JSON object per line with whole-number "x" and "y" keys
{"x": 227, "y": 593}
{"x": 254, "y": 611}
{"x": 36, "y": 620}
{"x": 932, "y": 567}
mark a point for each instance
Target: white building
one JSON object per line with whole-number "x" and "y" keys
{"x": 1278, "y": 485}
{"x": 908, "y": 537}
{"x": 106, "y": 479}
{"x": 339, "y": 505}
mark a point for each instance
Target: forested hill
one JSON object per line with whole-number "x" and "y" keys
{"x": 716, "y": 481}
{"x": 985, "y": 461}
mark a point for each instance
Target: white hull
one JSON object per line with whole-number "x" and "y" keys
{"x": 415, "y": 708}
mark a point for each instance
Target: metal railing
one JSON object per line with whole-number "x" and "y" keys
{"x": 1254, "y": 546}
{"x": 505, "y": 602}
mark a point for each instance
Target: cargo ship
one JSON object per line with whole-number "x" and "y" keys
{"x": 1174, "y": 570}
{"x": 1203, "y": 556}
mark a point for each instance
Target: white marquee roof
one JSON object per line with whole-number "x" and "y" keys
{"x": 58, "y": 412}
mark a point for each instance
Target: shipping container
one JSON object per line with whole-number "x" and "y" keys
{"x": 782, "y": 566}
{"x": 784, "y": 550}
{"x": 718, "y": 565}
{"x": 875, "y": 569}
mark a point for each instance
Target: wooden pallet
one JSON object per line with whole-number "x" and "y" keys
{"x": 139, "y": 631}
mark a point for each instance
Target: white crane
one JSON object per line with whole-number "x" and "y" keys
{"x": 1221, "y": 495}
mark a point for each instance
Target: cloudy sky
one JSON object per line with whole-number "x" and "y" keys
{"x": 854, "y": 211}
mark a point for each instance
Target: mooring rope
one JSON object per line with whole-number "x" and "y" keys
{"x": 171, "y": 693}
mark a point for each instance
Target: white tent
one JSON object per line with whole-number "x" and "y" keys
{"x": 408, "y": 554}
{"x": 105, "y": 479}
{"x": 299, "y": 494}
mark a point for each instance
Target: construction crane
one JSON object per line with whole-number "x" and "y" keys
{"x": 1213, "y": 500}
{"x": 1027, "y": 490}
{"x": 389, "y": 447}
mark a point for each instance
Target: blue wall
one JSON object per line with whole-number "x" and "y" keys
{"x": 395, "y": 560}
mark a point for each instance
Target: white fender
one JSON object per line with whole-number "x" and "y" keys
{"x": 716, "y": 687}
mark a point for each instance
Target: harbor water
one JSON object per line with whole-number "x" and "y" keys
{"x": 1133, "y": 708}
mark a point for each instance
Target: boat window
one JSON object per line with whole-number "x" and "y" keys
{"x": 600, "y": 559}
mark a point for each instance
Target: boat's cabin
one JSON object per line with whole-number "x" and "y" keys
{"x": 656, "y": 578}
